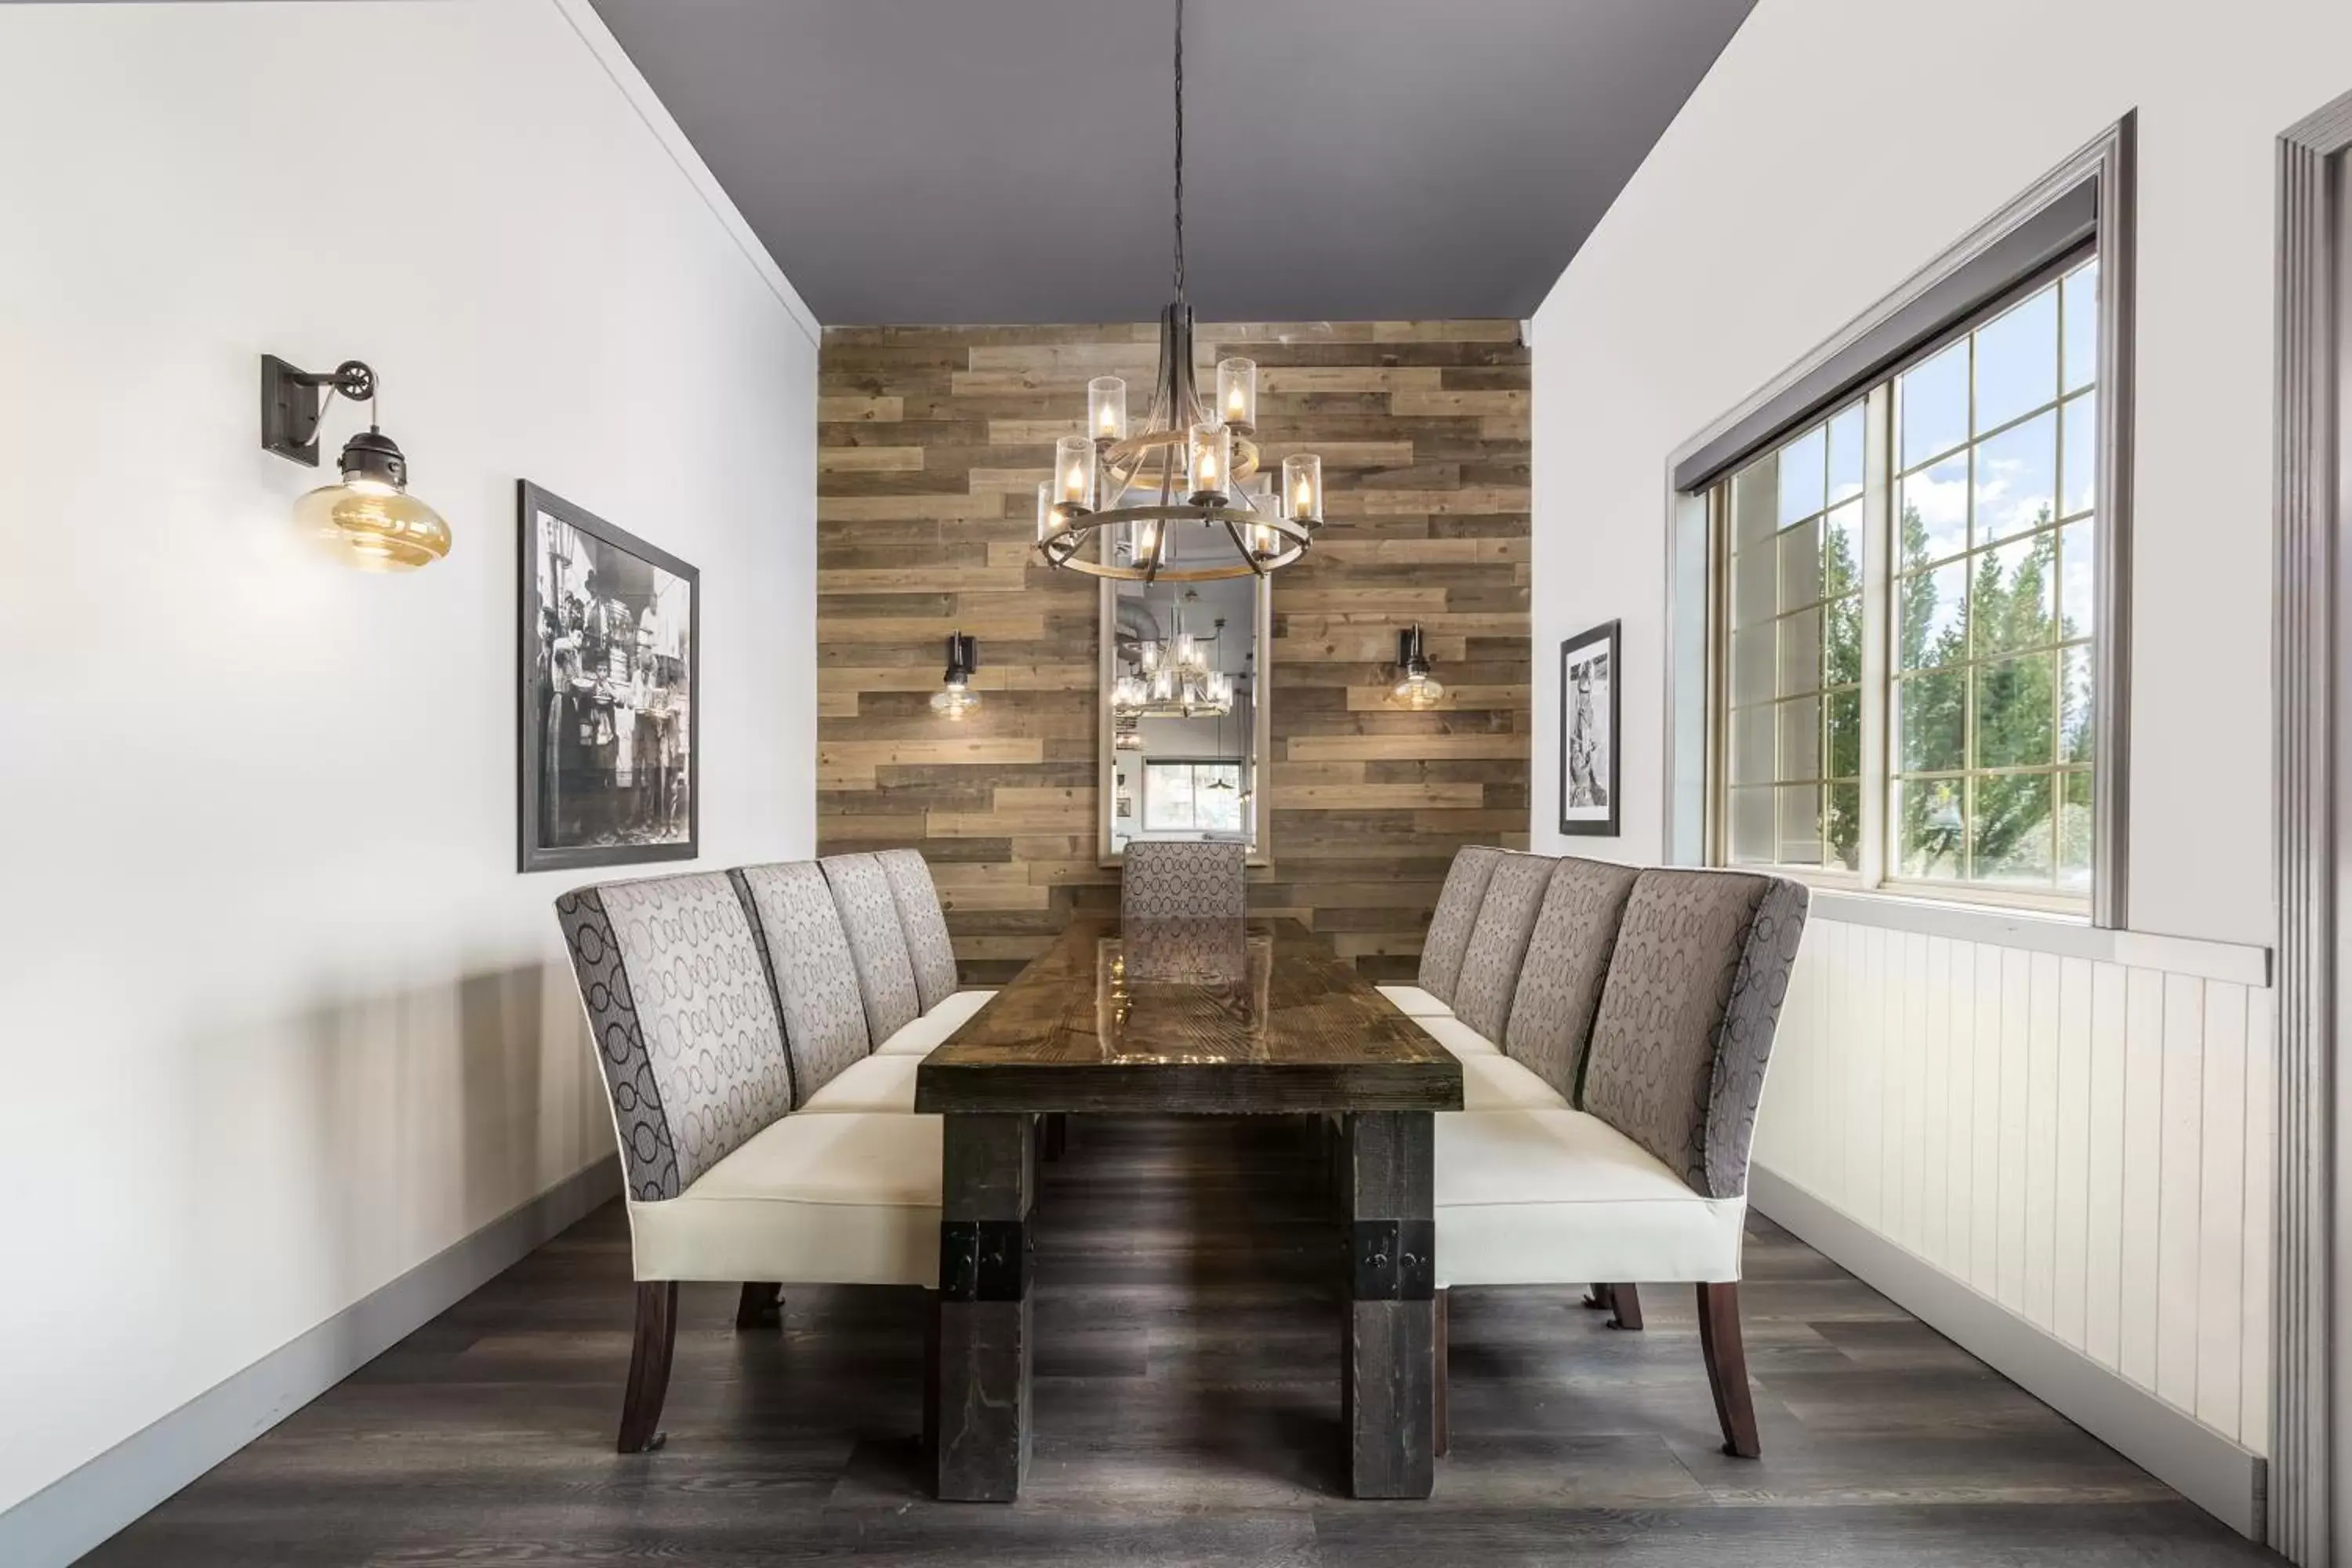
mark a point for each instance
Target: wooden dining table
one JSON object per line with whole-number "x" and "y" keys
{"x": 1202, "y": 1017}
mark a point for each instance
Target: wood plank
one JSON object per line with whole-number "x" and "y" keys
{"x": 1417, "y": 402}
{"x": 883, "y": 410}
{"x": 870, "y": 459}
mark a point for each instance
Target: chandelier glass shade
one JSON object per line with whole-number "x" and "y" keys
{"x": 1179, "y": 497}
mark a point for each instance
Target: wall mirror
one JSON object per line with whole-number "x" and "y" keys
{"x": 1183, "y": 722}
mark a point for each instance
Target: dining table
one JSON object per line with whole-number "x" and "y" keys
{"x": 1207, "y": 1018}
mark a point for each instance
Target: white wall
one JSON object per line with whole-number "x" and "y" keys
{"x": 282, "y": 1019}
{"x": 1837, "y": 146}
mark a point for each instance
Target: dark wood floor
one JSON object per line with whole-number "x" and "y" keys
{"x": 1187, "y": 1406}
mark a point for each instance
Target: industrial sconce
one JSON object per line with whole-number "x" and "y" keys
{"x": 1415, "y": 687}
{"x": 369, "y": 519}
{"x": 956, "y": 697}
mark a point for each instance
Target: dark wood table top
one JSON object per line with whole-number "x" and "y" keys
{"x": 1206, "y": 1017}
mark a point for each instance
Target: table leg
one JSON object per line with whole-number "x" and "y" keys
{"x": 981, "y": 1393}
{"x": 1388, "y": 1398}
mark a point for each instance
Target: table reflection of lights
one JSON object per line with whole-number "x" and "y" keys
{"x": 1174, "y": 990}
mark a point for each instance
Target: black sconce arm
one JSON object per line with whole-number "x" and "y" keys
{"x": 292, "y": 408}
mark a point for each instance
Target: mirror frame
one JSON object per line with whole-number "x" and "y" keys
{"x": 1261, "y": 731}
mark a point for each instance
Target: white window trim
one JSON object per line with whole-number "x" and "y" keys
{"x": 1690, "y": 832}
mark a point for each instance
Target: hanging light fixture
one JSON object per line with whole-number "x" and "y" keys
{"x": 1147, "y": 498}
{"x": 956, "y": 697}
{"x": 368, "y": 518}
{"x": 1415, "y": 687}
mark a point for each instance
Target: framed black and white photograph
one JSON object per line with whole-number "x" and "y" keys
{"x": 611, "y": 626}
{"x": 1588, "y": 731}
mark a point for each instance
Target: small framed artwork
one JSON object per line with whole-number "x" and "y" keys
{"x": 1588, "y": 731}
{"x": 611, "y": 627}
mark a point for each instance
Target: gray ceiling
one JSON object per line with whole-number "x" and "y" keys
{"x": 1004, "y": 161}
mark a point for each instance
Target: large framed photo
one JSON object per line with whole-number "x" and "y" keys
{"x": 1588, "y": 731}
{"x": 610, "y": 630}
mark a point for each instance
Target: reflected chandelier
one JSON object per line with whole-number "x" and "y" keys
{"x": 1174, "y": 681}
{"x": 1132, "y": 491}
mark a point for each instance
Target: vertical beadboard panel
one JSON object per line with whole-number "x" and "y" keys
{"x": 1984, "y": 1196}
{"x": 2015, "y": 1046}
{"x": 2039, "y": 1277}
{"x": 1959, "y": 1193}
{"x": 2143, "y": 1146}
{"x": 2254, "y": 1270}
{"x": 1935, "y": 1132}
{"x": 2070, "y": 1046}
{"x": 2102, "y": 1251}
{"x": 2221, "y": 1206}
{"x": 2180, "y": 1189}
{"x": 1915, "y": 1090}
{"x": 2085, "y": 1142}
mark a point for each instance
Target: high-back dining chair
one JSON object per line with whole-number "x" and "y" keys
{"x": 1448, "y": 938}
{"x": 1647, "y": 1179}
{"x": 724, "y": 1183}
{"x": 1184, "y": 879}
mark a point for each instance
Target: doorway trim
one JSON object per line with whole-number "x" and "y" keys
{"x": 2309, "y": 510}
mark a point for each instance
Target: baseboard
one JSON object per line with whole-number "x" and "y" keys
{"x": 78, "y": 1511}
{"x": 2209, "y": 1470}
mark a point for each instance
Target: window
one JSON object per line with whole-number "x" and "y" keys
{"x": 1191, "y": 797}
{"x": 1908, "y": 616}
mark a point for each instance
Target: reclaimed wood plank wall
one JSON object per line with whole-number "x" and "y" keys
{"x": 931, "y": 442}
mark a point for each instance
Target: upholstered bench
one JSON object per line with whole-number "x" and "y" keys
{"x": 1648, "y": 1002}
{"x": 724, "y": 1181}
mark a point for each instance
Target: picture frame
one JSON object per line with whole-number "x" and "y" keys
{"x": 610, "y": 646}
{"x": 1590, "y": 731}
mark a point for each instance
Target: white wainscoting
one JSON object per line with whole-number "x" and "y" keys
{"x": 2085, "y": 1142}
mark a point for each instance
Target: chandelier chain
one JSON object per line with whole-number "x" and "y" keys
{"x": 1179, "y": 152}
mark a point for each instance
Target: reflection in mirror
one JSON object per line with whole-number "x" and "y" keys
{"x": 1182, "y": 683}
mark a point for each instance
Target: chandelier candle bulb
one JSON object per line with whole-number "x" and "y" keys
{"x": 1074, "y": 471}
{"x": 1107, "y": 408}
{"x": 1213, "y": 462}
{"x": 1237, "y": 392}
{"x": 1302, "y": 487}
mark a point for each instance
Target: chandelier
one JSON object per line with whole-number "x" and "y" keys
{"x": 1135, "y": 492}
{"x": 1173, "y": 680}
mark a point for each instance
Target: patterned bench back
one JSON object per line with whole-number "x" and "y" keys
{"x": 878, "y": 944}
{"x": 1457, "y": 911}
{"x": 923, "y": 924}
{"x": 1567, "y": 960}
{"x": 684, "y": 1026}
{"x": 816, "y": 981}
{"x": 1499, "y": 942}
{"x": 1686, "y": 1017}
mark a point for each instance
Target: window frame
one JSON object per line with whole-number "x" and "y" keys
{"x": 2033, "y": 241}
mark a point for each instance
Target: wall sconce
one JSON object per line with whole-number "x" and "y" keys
{"x": 1415, "y": 687}
{"x": 956, "y": 697}
{"x": 369, "y": 519}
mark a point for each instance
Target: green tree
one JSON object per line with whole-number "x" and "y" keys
{"x": 2008, "y": 595}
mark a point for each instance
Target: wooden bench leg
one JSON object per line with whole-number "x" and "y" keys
{"x": 1622, "y": 1303}
{"x": 1727, "y": 1368}
{"x": 761, "y": 1305}
{"x": 656, "y": 1336}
